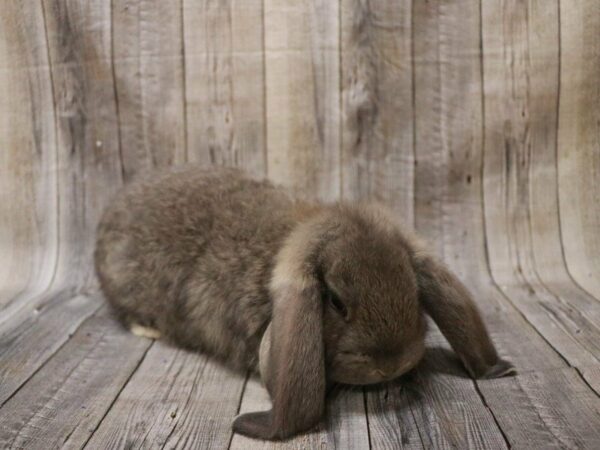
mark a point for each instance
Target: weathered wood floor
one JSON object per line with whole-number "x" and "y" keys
{"x": 71, "y": 377}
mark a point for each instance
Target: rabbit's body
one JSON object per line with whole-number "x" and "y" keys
{"x": 218, "y": 262}
{"x": 191, "y": 254}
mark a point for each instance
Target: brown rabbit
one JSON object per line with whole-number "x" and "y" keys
{"x": 210, "y": 259}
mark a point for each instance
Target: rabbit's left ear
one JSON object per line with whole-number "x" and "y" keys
{"x": 452, "y": 308}
{"x": 295, "y": 372}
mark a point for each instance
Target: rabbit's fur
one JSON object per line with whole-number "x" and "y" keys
{"x": 210, "y": 259}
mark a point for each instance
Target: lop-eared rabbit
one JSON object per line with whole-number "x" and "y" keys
{"x": 305, "y": 293}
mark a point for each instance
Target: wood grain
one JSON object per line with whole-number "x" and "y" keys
{"x": 175, "y": 399}
{"x": 84, "y": 164}
{"x": 448, "y": 127}
{"x": 345, "y": 425}
{"x": 591, "y": 375}
{"x": 302, "y": 96}
{"x": 149, "y": 81}
{"x": 66, "y": 399}
{"x": 377, "y": 103}
{"x": 579, "y": 141}
{"x": 28, "y": 177}
{"x": 89, "y": 163}
{"x": 32, "y": 340}
{"x": 562, "y": 411}
{"x": 450, "y": 209}
{"x": 447, "y": 409}
{"x": 439, "y": 403}
{"x": 224, "y": 83}
{"x": 391, "y": 419}
{"x": 521, "y": 80}
{"x": 434, "y": 406}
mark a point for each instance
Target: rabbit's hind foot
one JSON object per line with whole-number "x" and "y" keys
{"x": 145, "y": 332}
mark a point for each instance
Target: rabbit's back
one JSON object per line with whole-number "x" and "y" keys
{"x": 190, "y": 253}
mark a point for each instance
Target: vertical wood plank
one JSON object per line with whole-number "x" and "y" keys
{"x": 448, "y": 125}
{"x": 546, "y": 243}
{"x": 377, "y": 103}
{"x": 224, "y": 83}
{"x": 89, "y": 164}
{"x": 521, "y": 79}
{"x": 148, "y": 66}
{"x": 449, "y": 181}
{"x": 521, "y": 87}
{"x": 449, "y": 208}
{"x": 579, "y": 140}
{"x": 78, "y": 58}
{"x": 28, "y": 173}
{"x": 302, "y": 82}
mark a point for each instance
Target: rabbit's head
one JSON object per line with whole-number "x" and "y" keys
{"x": 349, "y": 290}
{"x": 373, "y": 326}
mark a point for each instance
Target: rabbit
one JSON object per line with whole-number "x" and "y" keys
{"x": 304, "y": 293}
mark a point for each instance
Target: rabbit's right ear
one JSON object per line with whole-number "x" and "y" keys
{"x": 450, "y": 305}
{"x": 294, "y": 372}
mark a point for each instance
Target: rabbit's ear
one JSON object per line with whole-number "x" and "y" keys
{"x": 452, "y": 308}
{"x": 295, "y": 372}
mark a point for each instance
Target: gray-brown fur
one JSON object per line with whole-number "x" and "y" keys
{"x": 190, "y": 253}
{"x": 210, "y": 258}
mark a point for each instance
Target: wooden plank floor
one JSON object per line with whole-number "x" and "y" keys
{"x": 94, "y": 385}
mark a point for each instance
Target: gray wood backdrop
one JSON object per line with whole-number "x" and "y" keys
{"x": 478, "y": 121}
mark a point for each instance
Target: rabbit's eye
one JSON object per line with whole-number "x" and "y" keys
{"x": 336, "y": 303}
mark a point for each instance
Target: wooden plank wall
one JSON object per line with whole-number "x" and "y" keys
{"x": 476, "y": 121}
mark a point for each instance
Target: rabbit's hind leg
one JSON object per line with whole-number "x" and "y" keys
{"x": 142, "y": 331}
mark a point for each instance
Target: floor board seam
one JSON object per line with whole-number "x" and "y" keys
{"x": 85, "y": 443}
{"x": 585, "y": 381}
{"x": 239, "y": 406}
{"x": 364, "y": 394}
{"x": 485, "y": 403}
{"x": 43, "y": 364}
